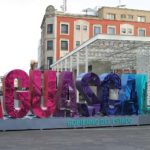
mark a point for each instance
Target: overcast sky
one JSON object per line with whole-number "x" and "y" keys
{"x": 20, "y": 22}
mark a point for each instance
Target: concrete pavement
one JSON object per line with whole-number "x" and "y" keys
{"x": 117, "y": 138}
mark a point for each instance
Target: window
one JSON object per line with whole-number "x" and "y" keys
{"x": 111, "y": 16}
{"x": 64, "y": 28}
{"x": 50, "y": 45}
{"x": 49, "y": 28}
{"x": 130, "y": 16}
{"x": 97, "y": 30}
{"x": 90, "y": 68}
{"x": 126, "y": 29}
{"x": 64, "y": 45}
{"x": 123, "y": 31}
{"x": 123, "y": 16}
{"x": 49, "y": 61}
{"x": 77, "y": 43}
{"x": 141, "y": 19}
{"x": 77, "y": 27}
{"x": 130, "y": 31}
{"x": 142, "y": 32}
{"x": 85, "y": 28}
{"x": 111, "y": 30}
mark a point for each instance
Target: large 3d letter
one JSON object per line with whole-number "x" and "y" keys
{"x": 49, "y": 92}
{"x": 83, "y": 85}
{"x": 21, "y": 95}
{"x": 67, "y": 93}
{"x": 110, "y": 106}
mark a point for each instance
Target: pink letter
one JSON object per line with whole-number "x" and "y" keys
{"x": 22, "y": 95}
{"x": 49, "y": 92}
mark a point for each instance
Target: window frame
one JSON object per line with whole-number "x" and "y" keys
{"x": 51, "y": 49}
{"x": 61, "y": 46}
{"x": 97, "y": 25}
{"x": 48, "y": 61}
{"x": 123, "y": 16}
{"x": 128, "y": 28}
{"x": 77, "y": 25}
{"x": 64, "y": 23}
{"x": 144, "y": 29}
{"x": 52, "y": 28}
{"x": 130, "y": 17}
{"x": 109, "y": 26}
{"x": 109, "y": 16}
{"x": 122, "y": 33}
{"x": 79, "y": 43}
{"x": 85, "y": 29}
{"x": 139, "y": 19}
{"x": 131, "y": 30}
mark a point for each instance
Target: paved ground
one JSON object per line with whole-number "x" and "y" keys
{"x": 121, "y": 138}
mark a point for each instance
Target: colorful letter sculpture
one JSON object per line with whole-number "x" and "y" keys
{"x": 22, "y": 95}
{"x": 141, "y": 91}
{"x": 83, "y": 85}
{"x": 49, "y": 92}
{"x": 113, "y": 95}
{"x": 50, "y": 97}
{"x": 110, "y": 106}
{"x": 133, "y": 93}
{"x": 67, "y": 93}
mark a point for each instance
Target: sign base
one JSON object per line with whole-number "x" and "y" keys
{"x": 31, "y": 123}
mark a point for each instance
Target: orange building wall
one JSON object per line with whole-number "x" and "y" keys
{"x": 103, "y": 23}
{"x": 69, "y": 37}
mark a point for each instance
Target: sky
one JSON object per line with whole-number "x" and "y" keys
{"x": 20, "y": 22}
